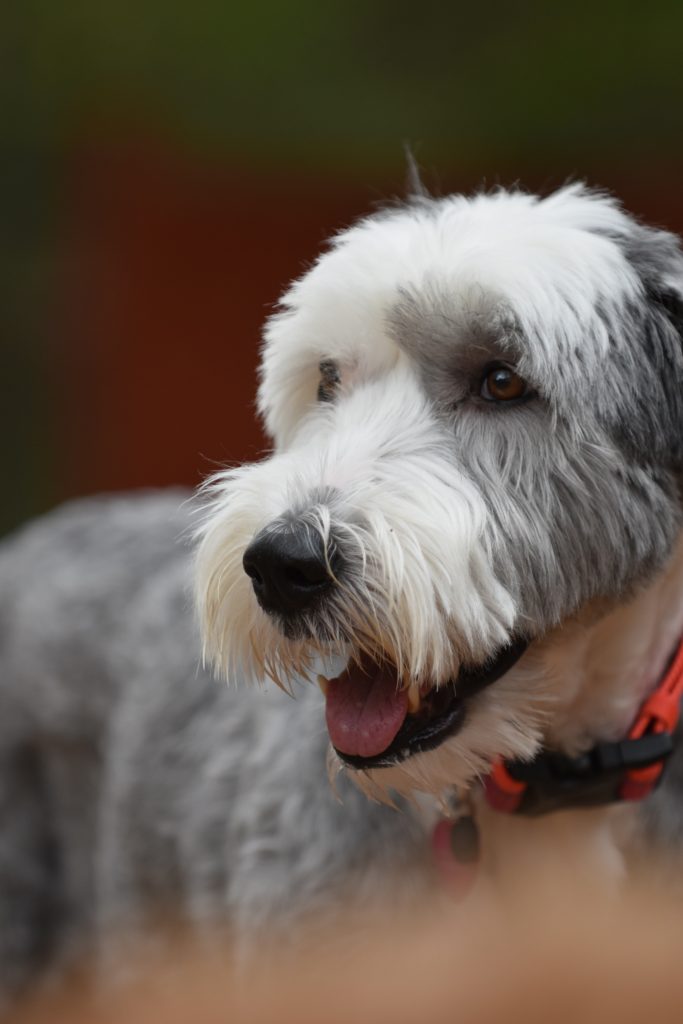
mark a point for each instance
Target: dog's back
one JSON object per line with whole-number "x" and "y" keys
{"x": 73, "y": 602}
{"x": 131, "y": 781}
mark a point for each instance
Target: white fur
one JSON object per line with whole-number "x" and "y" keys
{"x": 427, "y": 595}
{"x": 430, "y": 568}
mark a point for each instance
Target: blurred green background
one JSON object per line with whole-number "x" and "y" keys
{"x": 168, "y": 168}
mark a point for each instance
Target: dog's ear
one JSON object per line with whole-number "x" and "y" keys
{"x": 657, "y": 258}
{"x": 671, "y": 301}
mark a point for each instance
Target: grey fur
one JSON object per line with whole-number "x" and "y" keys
{"x": 582, "y": 483}
{"x": 132, "y": 784}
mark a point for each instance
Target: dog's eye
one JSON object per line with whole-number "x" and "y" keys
{"x": 500, "y": 383}
{"x": 329, "y": 380}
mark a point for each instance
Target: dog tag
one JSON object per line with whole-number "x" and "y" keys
{"x": 456, "y": 849}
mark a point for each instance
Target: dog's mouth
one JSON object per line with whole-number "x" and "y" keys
{"x": 374, "y": 723}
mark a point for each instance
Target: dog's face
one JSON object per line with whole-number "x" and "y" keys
{"x": 478, "y": 423}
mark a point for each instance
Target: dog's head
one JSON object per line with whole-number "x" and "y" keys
{"x": 477, "y": 410}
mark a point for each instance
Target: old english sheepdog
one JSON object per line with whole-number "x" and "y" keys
{"x": 468, "y": 532}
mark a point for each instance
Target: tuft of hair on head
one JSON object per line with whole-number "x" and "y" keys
{"x": 415, "y": 187}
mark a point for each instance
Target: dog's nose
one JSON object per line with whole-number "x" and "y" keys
{"x": 288, "y": 569}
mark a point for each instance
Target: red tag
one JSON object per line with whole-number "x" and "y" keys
{"x": 456, "y": 854}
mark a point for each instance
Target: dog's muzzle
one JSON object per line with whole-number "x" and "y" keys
{"x": 290, "y": 569}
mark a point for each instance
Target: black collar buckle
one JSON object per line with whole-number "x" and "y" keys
{"x": 554, "y": 781}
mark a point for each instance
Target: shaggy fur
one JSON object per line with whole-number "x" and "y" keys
{"x": 461, "y": 523}
{"x": 133, "y": 784}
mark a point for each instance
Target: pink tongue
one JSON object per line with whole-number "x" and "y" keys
{"x": 365, "y": 710}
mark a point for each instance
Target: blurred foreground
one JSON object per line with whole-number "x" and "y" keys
{"x": 566, "y": 955}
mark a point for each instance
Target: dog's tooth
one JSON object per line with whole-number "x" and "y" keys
{"x": 414, "y": 700}
{"x": 323, "y": 683}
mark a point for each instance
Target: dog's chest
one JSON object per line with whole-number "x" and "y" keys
{"x": 585, "y": 847}
{"x": 589, "y": 847}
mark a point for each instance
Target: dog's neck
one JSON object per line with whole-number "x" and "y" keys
{"x": 607, "y": 664}
{"x": 600, "y": 668}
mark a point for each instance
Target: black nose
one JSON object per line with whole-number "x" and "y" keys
{"x": 288, "y": 568}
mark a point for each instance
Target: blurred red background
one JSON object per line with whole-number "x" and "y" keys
{"x": 172, "y": 268}
{"x": 170, "y": 171}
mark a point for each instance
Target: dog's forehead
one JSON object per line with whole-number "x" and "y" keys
{"x": 497, "y": 264}
{"x": 555, "y": 285}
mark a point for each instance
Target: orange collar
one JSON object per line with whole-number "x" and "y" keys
{"x": 627, "y": 770}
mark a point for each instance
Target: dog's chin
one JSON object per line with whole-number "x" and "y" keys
{"x": 308, "y": 629}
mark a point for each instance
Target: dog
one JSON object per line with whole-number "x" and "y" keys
{"x": 468, "y": 532}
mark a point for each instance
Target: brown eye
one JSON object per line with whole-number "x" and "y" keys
{"x": 502, "y": 384}
{"x": 329, "y": 380}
